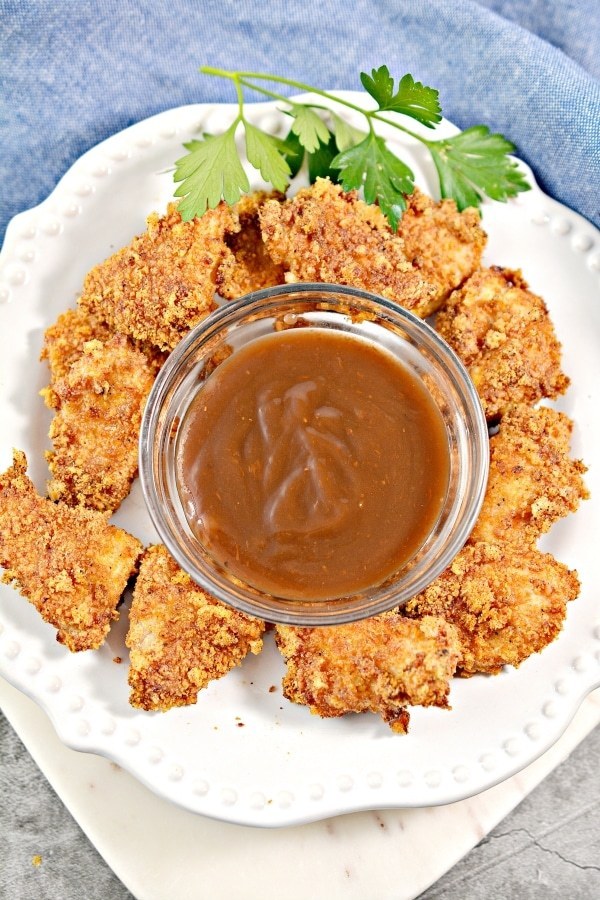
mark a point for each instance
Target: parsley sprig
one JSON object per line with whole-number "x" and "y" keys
{"x": 470, "y": 166}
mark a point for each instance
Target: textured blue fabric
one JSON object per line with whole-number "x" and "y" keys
{"x": 73, "y": 72}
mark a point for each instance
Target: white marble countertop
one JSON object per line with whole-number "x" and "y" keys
{"x": 548, "y": 847}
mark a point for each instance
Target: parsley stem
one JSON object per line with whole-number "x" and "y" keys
{"x": 240, "y": 98}
{"x": 266, "y": 92}
{"x": 261, "y": 76}
{"x": 375, "y": 115}
{"x": 241, "y": 78}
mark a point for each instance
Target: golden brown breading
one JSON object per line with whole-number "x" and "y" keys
{"x": 533, "y": 481}
{"x": 445, "y": 245}
{"x": 503, "y": 334}
{"x": 376, "y": 665}
{"x": 70, "y": 563}
{"x": 506, "y": 603}
{"x": 162, "y": 284}
{"x": 181, "y": 638}
{"x": 323, "y": 234}
{"x": 63, "y": 342}
{"x": 250, "y": 268}
{"x": 99, "y": 405}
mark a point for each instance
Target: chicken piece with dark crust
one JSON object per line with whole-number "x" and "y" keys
{"x": 250, "y": 268}
{"x": 504, "y": 335}
{"x": 180, "y": 638}
{"x": 70, "y": 563}
{"x": 325, "y": 235}
{"x": 163, "y": 283}
{"x": 533, "y": 481}
{"x": 99, "y": 405}
{"x": 505, "y": 602}
{"x": 445, "y": 245}
{"x": 381, "y": 665}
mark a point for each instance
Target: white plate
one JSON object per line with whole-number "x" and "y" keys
{"x": 243, "y": 753}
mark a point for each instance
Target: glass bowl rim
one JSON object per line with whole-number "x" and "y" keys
{"x": 310, "y": 616}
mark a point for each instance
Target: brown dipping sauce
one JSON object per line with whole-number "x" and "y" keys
{"x": 312, "y": 464}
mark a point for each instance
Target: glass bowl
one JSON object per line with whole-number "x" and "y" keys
{"x": 353, "y": 312}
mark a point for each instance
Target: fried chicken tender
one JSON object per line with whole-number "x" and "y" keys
{"x": 503, "y": 334}
{"x": 323, "y": 234}
{"x": 533, "y": 481}
{"x": 506, "y": 603}
{"x": 63, "y": 342}
{"x": 445, "y": 245}
{"x": 380, "y": 665}
{"x": 250, "y": 268}
{"x": 99, "y": 405}
{"x": 181, "y": 638}
{"x": 162, "y": 284}
{"x": 70, "y": 563}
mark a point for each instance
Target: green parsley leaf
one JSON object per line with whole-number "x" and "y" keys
{"x": 309, "y": 126}
{"x": 470, "y": 166}
{"x": 345, "y": 135}
{"x": 411, "y": 99}
{"x": 210, "y": 172}
{"x": 476, "y": 163}
{"x": 195, "y": 144}
{"x": 384, "y": 177}
{"x": 319, "y": 162}
{"x": 264, "y": 152}
{"x": 293, "y": 152}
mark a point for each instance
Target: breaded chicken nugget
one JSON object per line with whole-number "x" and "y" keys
{"x": 63, "y": 342}
{"x": 445, "y": 245}
{"x": 506, "y": 603}
{"x": 162, "y": 284}
{"x": 250, "y": 268}
{"x": 381, "y": 665}
{"x": 323, "y": 234}
{"x": 181, "y": 638}
{"x": 533, "y": 481}
{"x": 70, "y": 563}
{"x": 503, "y": 334}
{"x": 99, "y": 405}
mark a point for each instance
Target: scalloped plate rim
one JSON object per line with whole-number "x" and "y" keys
{"x": 276, "y": 818}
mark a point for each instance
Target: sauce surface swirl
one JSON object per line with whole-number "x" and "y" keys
{"x": 312, "y": 464}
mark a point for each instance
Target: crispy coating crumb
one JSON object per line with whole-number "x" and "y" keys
{"x": 63, "y": 342}
{"x": 323, "y": 234}
{"x": 506, "y": 603}
{"x": 380, "y": 665}
{"x": 70, "y": 563}
{"x": 250, "y": 268}
{"x": 181, "y": 638}
{"x": 533, "y": 481}
{"x": 445, "y": 245}
{"x": 162, "y": 284}
{"x": 99, "y": 405}
{"x": 503, "y": 334}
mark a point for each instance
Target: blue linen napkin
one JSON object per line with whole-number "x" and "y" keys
{"x": 73, "y": 72}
